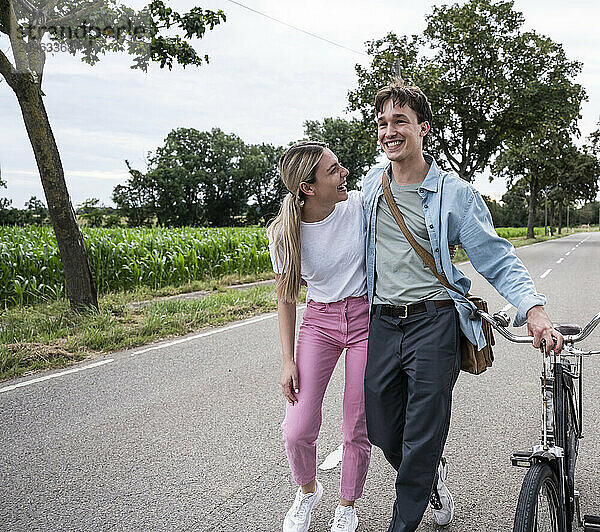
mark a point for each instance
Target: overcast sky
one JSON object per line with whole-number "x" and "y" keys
{"x": 263, "y": 81}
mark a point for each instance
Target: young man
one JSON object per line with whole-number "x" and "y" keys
{"x": 413, "y": 356}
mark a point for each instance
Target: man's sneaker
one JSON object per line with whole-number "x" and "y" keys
{"x": 298, "y": 517}
{"x": 440, "y": 500}
{"x": 345, "y": 519}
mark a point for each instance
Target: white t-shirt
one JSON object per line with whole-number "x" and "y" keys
{"x": 333, "y": 253}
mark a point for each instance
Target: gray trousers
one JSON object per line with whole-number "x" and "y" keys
{"x": 412, "y": 366}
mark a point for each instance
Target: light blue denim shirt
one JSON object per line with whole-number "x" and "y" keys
{"x": 455, "y": 213}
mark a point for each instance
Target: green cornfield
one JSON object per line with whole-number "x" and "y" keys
{"x": 122, "y": 259}
{"x": 515, "y": 232}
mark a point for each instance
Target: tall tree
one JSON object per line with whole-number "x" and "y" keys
{"x": 515, "y": 204}
{"x": 594, "y": 142}
{"x": 195, "y": 178}
{"x": 487, "y": 80}
{"x": 224, "y": 191}
{"x": 579, "y": 173}
{"x": 88, "y": 28}
{"x": 346, "y": 140}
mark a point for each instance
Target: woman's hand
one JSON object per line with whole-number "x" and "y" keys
{"x": 289, "y": 381}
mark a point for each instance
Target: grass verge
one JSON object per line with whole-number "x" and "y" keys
{"x": 49, "y": 335}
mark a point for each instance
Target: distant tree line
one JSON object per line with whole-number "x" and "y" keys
{"x": 211, "y": 178}
{"x": 249, "y": 189}
{"x": 513, "y": 211}
{"x": 35, "y": 212}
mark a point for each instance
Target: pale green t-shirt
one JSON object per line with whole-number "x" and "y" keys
{"x": 401, "y": 276}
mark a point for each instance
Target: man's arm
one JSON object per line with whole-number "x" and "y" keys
{"x": 495, "y": 259}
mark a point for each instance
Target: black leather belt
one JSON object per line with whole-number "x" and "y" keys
{"x": 403, "y": 311}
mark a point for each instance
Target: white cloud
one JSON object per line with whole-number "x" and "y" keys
{"x": 109, "y": 175}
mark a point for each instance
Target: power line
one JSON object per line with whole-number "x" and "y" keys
{"x": 297, "y": 29}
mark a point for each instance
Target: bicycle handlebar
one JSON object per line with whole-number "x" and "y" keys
{"x": 503, "y": 330}
{"x": 569, "y": 339}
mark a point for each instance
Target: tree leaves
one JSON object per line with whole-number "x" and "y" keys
{"x": 95, "y": 28}
{"x": 203, "y": 178}
{"x": 349, "y": 141}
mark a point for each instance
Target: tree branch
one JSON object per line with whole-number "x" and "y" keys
{"x": 452, "y": 160}
{"x": 7, "y": 69}
{"x": 7, "y": 14}
{"x": 77, "y": 15}
{"x": 49, "y": 7}
{"x": 29, "y": 6}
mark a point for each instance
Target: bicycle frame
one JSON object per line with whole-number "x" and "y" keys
{"x": 552, "y": 445}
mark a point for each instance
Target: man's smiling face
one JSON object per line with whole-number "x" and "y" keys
{"x": 399, "y": 132}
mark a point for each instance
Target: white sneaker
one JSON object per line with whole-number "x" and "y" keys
{"x": 298, "y": 517}
{"x": 345, "y": 519}
{"x": 440, "y": 500}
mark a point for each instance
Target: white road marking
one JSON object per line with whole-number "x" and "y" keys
{"x": 332, "y": 459}
{"x": 209, "y": 333}
{"x": 506, "y": 308}
{"x": 560, "y": 260}
{"x": 545, "y": 273}
{"x": 567, "y": 253}
{"x": 54, "y": 375}
{"x": 574, "y": 248}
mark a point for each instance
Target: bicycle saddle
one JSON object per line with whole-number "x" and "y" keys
{"x": 568, "y": 329}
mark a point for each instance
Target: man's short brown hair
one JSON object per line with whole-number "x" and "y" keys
{"x": 401, "y": 94}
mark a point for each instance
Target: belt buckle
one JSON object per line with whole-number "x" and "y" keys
{"x": 405, "y": 313}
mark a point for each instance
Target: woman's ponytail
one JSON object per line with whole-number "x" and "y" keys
{"x": 297, "y": 165}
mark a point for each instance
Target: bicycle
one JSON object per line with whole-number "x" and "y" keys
{"x": 548, "y": 500}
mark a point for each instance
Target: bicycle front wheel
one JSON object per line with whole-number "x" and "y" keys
{"x": 538, "y": 509}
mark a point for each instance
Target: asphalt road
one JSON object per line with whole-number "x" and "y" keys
{"x": 186, "y": 436}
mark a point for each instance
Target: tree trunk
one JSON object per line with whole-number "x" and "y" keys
{"x": 560, "y": 218}
{"x": 552, "y": 211}
{"x": 532, "y": 205}
{"x": 81, "y": 289}
{"x": 545, "y": 214}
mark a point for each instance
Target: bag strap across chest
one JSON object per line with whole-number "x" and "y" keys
{"x": 421, "y": 251}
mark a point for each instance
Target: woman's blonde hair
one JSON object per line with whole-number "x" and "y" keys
{"x": 297, "y": 165}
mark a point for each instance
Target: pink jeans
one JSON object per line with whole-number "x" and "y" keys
{"x": 328, "y": 328}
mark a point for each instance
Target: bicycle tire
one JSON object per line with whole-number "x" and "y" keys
{"x": 539, "y": 485}
{"x": 570, "y": 444}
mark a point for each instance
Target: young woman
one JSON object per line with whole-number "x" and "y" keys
{"x": 318, "y": 238}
